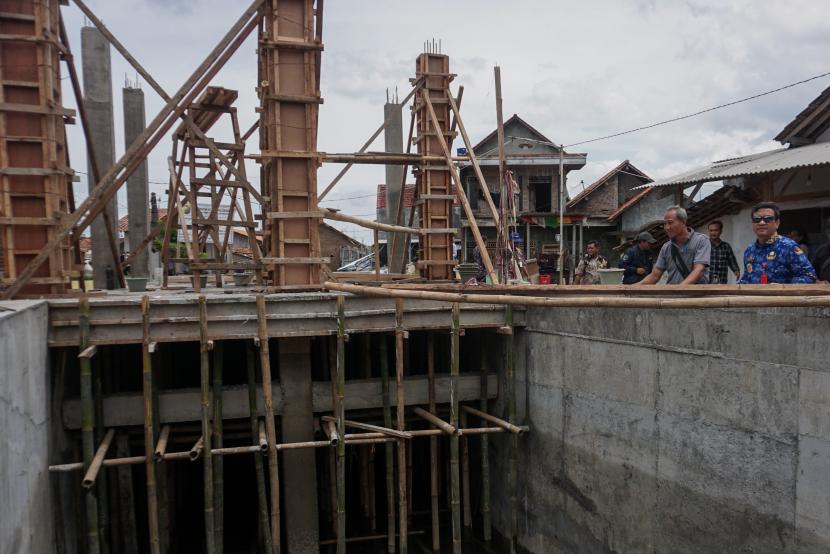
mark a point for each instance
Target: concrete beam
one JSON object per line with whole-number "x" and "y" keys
{"x": 182, "y": 405}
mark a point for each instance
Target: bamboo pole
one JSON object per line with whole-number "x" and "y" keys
{"x": 149, "y": 465}
{"x": 126, "y": 495}
{"x": 383, "y": 357}
{"x": 257, "y": 434}
{"x": 162, "y": 498}
{"x": 503, "y": 233}
{"x": 455, "y": 359}
{"x": 88, "y": 425}
{"x": 399, "y": 370}
{"x": 196, "y": 451}
{"x": 204, "y": 346}
{"x": 218, "y": 464}
{"x": 370, "y": 452}
{"x": 332, "y": 350}
{"x": 590, "y": 301}
{"x": 433, "y": 447}
{"x": 341, "y": 425}
{"x": 447, "y": 428}
{"x": 161, "y": 445}
{"x": 97, "y": 460}
{"x": 101, "y": 491}
{"x": 328, "y": 213}
{"x": 465, "y": 474}
{"x": 270, "y": 426}
{"x": 510, "y": 377}
{"x": 369, "y": 427}
{"x": 506, "y": 425}
{"x": 485, "y": 455}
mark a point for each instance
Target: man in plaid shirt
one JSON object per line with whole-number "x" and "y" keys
{"x": 722, "y": 256}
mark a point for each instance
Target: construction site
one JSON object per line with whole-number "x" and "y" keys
{"x": 195, "y": 393}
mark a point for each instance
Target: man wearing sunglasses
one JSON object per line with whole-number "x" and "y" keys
{"x": 773, "y": 258}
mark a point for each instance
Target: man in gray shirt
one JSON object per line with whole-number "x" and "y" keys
{"x": 685, "y": 257}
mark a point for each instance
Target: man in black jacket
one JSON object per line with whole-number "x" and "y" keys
{"x": 638, "y": 260}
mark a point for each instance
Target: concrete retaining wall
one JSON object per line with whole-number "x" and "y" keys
{"x": 25, "y": 512}
{"x": 673, "y": 431}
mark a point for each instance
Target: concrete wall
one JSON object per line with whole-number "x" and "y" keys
{"x": 672, "y": 431}
{"x": 25, "y": 509}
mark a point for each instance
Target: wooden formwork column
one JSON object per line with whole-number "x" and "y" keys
{"x": 435, "y": 188}
{"x": 34, "y": 177}
{"x": 289, "y": 94}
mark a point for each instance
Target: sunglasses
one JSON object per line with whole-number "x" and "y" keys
{"x": 764, "y": 218}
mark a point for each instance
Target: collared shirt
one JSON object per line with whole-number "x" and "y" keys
{"x": 779, "y": 259}
{"x": 589, "y": 269}
{"x": 722, "y": 259}
{"x": 635, "y": 257}
{"x": 696, "y": 250}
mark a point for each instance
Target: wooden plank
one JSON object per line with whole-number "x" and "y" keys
{"x": 294, "y": 98}
{"x": 295, "y": 260}
{"x": 35, "y": 109}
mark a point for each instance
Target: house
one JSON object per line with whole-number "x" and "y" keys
{"x": 796, "y": 176}
{"x": 614, "y": 207}
{"x": 339, "y": 246}
{"x": 534, "y": 161}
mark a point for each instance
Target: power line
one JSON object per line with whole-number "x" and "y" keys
{"x": 687, "y": 116}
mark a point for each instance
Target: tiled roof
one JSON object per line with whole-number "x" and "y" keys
{"x": 602, "y": 180}
{"x": 628, "y": 203}
{"x": 124, "y": 222}
{"x": 811, "y": 122}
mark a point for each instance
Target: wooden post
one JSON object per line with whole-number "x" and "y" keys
{"x": 504, "y": 230}
{"x": 455, "y": 359}
{"x": 510, "y": 377}
{"x": 149, "y": 443}
{"x": 383, "y": 356}
{"x": 433, "y": 447}
{"x": 264, "y": 529}
{"x": 218, "y": 464}
{"x": 88, "y": 426}
{"x": 101, "y": 491}
{"x": 341, "y": 426}
{"x": 399, "y": 369}
{"x": 368, "y": 454}
{"x": 485, "y": 454}
{"x": 204, "y": 350}
{"x": 270, "y": 426}
{"x": 465, "y": 474}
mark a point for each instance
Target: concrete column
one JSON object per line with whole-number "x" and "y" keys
{"x": 97, "y": 75}
{"x": 393, "y": 142}
{"x": 298, "y": 469}
{"x": 137, "y": 185}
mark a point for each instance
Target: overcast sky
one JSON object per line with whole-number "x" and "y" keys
{"x": 575, "y": 71}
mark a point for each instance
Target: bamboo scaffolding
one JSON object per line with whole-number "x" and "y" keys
{"x": 332, "y": 481}
{"x": 816, "y": 289}
{"x": 204, "y": 351}
{"x": 485, "y": 455}
{"x": 341, "y": 424}
{"x": 455, "y": 360}
{"x": 97, "y": 460}
{"x": 101, "y": 492}
{"x": 465, "y": 475}
{"x": 383, "y": 357}
{"x": 258, "y": 433}
{"x": 149, "y": 465}
{"x": 218, "y": 464}
{"x": 400, "y": 408}
{"x": 80, "y": 219}
{"x": 590, "y": 301}
{"x": 459, "y": 190}
{"x": 270, "y": 426}
{"x": 447, "y": 428}
{"x": 87, "y": 424}
{"x": 433, "y": 447}
{"x": 512, "y": 469}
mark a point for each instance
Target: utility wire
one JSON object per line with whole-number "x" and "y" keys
{"x": 687, "y": 116}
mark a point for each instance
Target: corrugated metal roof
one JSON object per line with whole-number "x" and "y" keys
{"x": 766, "y": 162}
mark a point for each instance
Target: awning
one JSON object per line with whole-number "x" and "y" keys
{"x": 783, "y": 159}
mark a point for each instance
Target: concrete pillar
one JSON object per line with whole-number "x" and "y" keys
{"x": 97, "y": 75}
{"x": 299, "y": 468}
{"x": 393, "y": 142}
{"x": 137, "y": 184}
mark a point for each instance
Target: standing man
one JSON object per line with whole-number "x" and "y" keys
{"x": 638, "y": 260}
{"x": 587, "y": 272}
{"x": 722, "y": 256}
{"x": 822, "y": 259}
{"x": 685, "y": 257}
{"x": 773, "y": 258}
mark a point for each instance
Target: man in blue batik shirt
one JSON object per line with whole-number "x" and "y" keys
{"x": 773, "y": 258}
